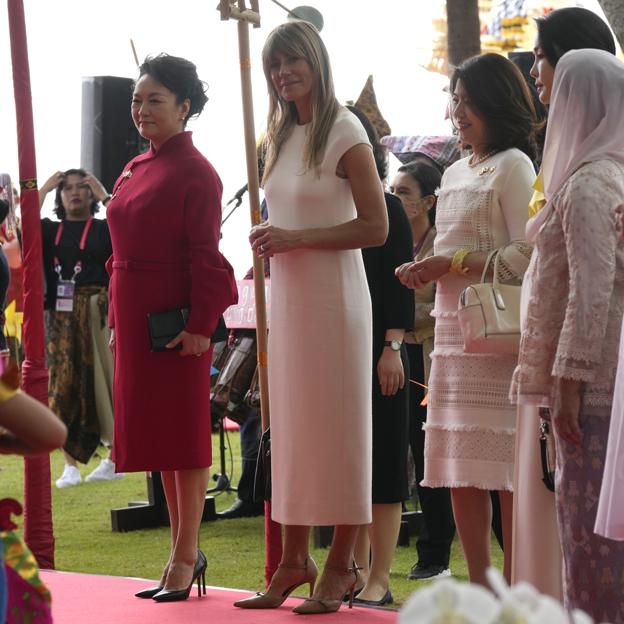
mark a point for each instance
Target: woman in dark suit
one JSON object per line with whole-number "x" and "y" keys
{"x": 164, "y": 218}
{"x": 393, "y": 314}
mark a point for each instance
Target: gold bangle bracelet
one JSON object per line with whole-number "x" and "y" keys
{"x": 6, "y": 392}
{"x": 457, "y": 264}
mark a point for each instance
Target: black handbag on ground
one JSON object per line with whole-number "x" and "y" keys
{"x": 262, "y": 480}
{"x": 163, "y": 327}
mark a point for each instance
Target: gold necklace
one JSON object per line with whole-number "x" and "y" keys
{"x": 473, "y": 163}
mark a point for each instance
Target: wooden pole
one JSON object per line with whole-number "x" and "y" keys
{"x": 272, "y": 530}
{"x": 254, "y": 206}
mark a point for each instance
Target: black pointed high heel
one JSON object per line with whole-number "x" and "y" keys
{"x": 199, "y": 574}
{"x": 150, "y": 592}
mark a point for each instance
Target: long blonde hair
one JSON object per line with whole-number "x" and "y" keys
{"x": 299, "y": 39}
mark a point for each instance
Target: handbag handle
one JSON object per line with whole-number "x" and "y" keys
{"x": 500, "y": 302}
{"x": 494, "y": 252}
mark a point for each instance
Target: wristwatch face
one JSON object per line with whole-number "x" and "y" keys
{"x": 395, "y": 345}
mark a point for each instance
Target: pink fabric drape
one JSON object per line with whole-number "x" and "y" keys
{"x": 38, "y": 532}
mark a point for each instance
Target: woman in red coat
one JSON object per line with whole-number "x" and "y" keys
{"x": 164, "y": 219}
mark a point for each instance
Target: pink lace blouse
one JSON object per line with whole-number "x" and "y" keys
{"x": 572, "y": 324}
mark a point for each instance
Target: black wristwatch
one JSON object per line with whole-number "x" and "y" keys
{"x": 395, "y": 345}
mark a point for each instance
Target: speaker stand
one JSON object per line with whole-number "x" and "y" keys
{"x": 152, "y": 514}
{"x": 223, "y": 483}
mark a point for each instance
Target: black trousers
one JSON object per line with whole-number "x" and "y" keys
{"x": 250, "y": 432}
{"x": 434, "y": 541}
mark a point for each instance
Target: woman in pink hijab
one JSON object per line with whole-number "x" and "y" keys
{"x": 569, "y": 349}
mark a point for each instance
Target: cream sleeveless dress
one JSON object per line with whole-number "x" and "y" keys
{"x": 320, "y": 345}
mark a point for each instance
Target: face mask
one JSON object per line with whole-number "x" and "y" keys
{"x": 415, "y": 207}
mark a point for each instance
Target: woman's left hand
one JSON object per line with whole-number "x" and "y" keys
{"x": 390, "y": 372}
{"x": 267, "y": 240}
{"x": 192, "y": 344}
{"x": 419, "y": 274}
{"x": 566, "y": 409}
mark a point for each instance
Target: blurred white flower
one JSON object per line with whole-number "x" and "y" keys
{"x": 450, "y": 602}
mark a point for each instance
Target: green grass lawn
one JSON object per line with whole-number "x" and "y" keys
{"x": 235, "y": 548}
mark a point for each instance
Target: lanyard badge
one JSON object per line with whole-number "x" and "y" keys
{"x": 65, "y": 288}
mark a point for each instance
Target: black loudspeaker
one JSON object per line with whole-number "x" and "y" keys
{"x": 109, "y": 138}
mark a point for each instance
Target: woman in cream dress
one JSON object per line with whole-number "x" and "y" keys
{"x": 325, "y": 201}
{"x": 469, "y": 442}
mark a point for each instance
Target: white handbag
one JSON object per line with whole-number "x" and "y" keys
{"x": 489, "y": 314}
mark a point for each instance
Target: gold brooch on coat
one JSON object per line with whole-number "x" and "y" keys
{"x": 485, "y": 170}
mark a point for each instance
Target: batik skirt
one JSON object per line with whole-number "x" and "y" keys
{"x": 70, "y": 358}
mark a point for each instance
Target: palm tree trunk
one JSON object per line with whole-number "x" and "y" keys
{"x": 464, "y": 30}
{"x": 614, "y": 10}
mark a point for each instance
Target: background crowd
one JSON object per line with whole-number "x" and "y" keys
{"x": 366, "y": 277}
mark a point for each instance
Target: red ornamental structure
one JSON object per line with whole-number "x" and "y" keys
{"x": 37, "y": 495}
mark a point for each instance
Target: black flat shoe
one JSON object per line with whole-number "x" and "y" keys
{"x": 241, "y": 509}
{"x": 199, "y": 574}
{"x": 386, "y": 600}
{"x": 150, "y": 592}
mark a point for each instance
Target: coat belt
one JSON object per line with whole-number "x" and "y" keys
{"x": 138, "y": 265}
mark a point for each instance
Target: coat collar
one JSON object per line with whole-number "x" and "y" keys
{"x": 177, "y": 142}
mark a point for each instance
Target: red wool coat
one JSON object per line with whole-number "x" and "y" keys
{"x": 164, "y": 219}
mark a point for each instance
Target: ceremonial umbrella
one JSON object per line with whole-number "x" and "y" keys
{"x": 37, "y": 496}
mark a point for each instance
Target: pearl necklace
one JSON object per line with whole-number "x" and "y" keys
{"x": 472, "y": 162}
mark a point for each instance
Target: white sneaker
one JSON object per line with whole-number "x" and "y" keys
{"x": 69, "y": 478}
{"x": 104, "y": 472}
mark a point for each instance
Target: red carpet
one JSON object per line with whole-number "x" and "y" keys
{"x": 79, "y": 598}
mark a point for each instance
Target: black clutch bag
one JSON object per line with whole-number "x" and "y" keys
{"x": 163, "y": 327}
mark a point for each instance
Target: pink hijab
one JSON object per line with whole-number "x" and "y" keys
{"x": 585, "y": 121}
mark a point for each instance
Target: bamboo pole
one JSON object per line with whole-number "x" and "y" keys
{"x": 254, "y": 206}
{"x": 244, "y": 17}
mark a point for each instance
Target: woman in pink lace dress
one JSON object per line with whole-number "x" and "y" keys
{"x": 568, "y": 353}
{"x": 482, "y": 206}
{"x": 536, "y": 553}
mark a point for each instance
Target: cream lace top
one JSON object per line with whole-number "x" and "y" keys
{"x": 572, "y": 323}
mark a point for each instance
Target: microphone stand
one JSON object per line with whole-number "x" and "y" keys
{"x": 223, "y": 483}
{"x": 238, "y": 198}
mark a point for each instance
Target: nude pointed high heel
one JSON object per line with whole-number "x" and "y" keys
{"x": 274, "y": 597}
{"x": 312, "y": 606}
